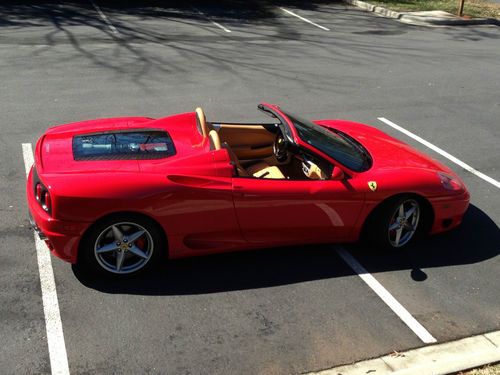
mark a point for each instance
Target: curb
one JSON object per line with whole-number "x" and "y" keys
{"x": 440, "y": 359}
{"x": 420, "y": 19}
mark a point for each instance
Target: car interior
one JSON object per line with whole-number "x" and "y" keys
{"x": 261, "y": 151}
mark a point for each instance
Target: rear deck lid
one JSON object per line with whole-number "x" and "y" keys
{"x": 116, "y": 150}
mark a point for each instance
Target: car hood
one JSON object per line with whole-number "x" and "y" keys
{"x": 387, "y": 152}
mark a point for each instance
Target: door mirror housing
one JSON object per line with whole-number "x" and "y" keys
{"x": 337, "y": 174}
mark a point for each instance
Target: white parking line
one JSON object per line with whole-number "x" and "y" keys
{"x": 208, "y": 19}
{"x": 387, "y": 297}
{"x": 105, "y": 18}
{"x": 53, "y": 324}
{"x": 304, "y": 19}
{"x": 441, "y": 152}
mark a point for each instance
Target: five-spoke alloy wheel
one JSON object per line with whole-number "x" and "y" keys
{"x": 122, "y": 245}
{"x": 404, "y": 223}
{"x": 123, "y": 248}
{"x": 395, "y": 223}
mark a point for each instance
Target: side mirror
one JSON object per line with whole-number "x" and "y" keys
{"x": 337, "y": 174}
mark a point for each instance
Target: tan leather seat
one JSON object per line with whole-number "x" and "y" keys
{"x": 259, "y": 170}
{"x": 214, "y": 140}
{"x": 264, "y": 170}
{"x": 234, "y": 159}
{"x": 202, "y": 121}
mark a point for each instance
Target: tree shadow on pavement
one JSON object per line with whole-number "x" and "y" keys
{"x": 476, "y": 240}
{"x": 30, "y": 13}
{"x": 76, "y": 23}
{"x": 155, "y": 38}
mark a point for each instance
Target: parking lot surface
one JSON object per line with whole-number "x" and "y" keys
{"x": 273, "y": 311}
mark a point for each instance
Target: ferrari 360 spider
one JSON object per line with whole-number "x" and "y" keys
{"x": 118, "y": 195}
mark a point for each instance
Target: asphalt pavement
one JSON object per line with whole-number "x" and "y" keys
{"x": 274, "y": 311}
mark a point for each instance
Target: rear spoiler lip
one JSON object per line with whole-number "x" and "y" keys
{"x": 38, "y": 154}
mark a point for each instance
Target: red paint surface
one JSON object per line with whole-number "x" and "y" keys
{"x": 204, "y": 209}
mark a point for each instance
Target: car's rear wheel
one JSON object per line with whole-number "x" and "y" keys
{"x": 396, "y": 224}
{"x": 122, "y": 246}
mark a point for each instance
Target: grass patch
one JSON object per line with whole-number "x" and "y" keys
{"x": 472, "y": 8}
{"x": 486, "y": 370}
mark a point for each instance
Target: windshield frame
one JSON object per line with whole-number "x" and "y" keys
{"x": 289, "y": 129}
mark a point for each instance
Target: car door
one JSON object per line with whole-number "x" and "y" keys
{"x": 293, "y": 211}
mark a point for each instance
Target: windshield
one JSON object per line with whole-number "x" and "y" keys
{"x": 336, "y": 144}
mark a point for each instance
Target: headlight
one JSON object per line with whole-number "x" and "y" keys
{"x": 450, "y": 182}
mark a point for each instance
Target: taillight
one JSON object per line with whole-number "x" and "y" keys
{"x": 42, "y": 196}
{"x": 38, "y": 192}
{"x": 47, "y": 201}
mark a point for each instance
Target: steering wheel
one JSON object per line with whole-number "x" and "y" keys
{"x": 280, "y": 147}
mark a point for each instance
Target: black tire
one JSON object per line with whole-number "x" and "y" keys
{"x": 382, "y": 226}
{"x": 129, "y": 258}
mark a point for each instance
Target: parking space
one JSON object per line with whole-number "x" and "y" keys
{"x": 161, "y": 22}
{"x": 279, "y": 311}
{"x": 445, "y": 283}
{"x": 287, "y": 310}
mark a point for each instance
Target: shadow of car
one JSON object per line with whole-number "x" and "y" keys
{"x": 476, "y": 240}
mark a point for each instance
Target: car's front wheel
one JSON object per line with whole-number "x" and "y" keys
{"x": 121, "y": 245}
{"x": 396, "y": 224}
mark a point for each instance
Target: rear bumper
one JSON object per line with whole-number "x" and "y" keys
{"x": 35, "y": 228}
{"x": 61, "y": 237}
{"x": 449, "y": 211}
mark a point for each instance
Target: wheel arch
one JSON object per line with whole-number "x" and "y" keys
{"x": 119, "y": 214}
{"x": 427, "y": 211}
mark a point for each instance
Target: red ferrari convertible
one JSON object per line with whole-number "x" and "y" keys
{"x": 117, "y": 195}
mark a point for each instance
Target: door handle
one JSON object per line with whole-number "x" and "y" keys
{"x": 238, "y": 190}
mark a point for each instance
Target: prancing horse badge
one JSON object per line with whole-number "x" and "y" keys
{"x": 372, "y": 185}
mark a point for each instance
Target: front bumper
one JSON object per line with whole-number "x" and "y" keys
{"x": 449, "y": 211}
